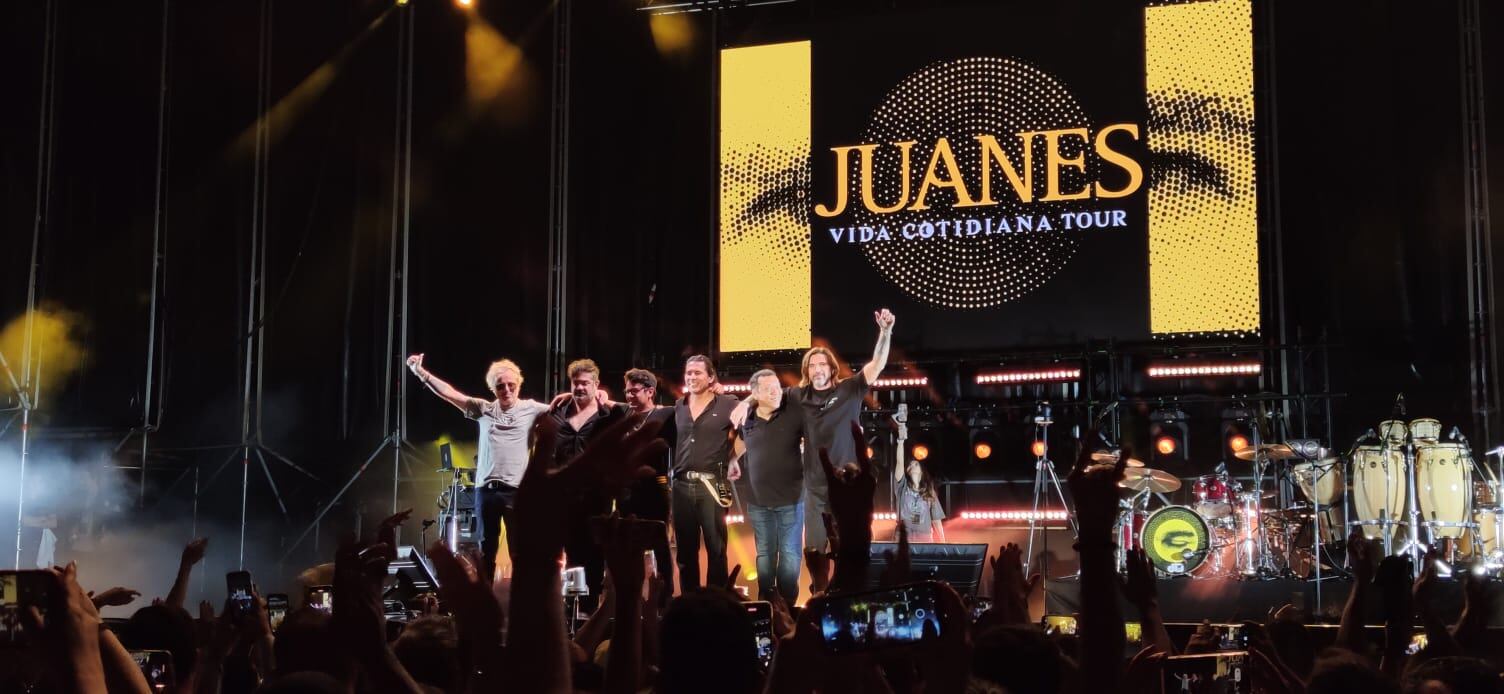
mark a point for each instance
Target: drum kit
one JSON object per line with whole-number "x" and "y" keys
{"x": 1408, "y": 488}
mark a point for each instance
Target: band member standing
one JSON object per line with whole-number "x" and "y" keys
{"x": 768, "y": 455}
{"x": 648, "y": 498}
{"x": 580, "y": 418}
{"x": 505, "y": 424}
{"x": 917, "y": 504}
{"x": 830, "y": 404}
{"x": 702, "y": 420}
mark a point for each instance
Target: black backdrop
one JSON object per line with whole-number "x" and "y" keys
{"x": 1366, "y": 107}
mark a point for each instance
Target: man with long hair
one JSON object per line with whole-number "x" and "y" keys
{"x": 831, "y": 404}
{"x": 702, "y": 422}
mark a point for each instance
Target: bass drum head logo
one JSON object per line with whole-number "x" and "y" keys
{"x": 959, "y": 100}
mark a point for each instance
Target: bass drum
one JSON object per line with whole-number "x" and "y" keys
{"x": 1177, "y": 540}
{"x": 1372, "y": 473}
{"x": 1445, "y": 493}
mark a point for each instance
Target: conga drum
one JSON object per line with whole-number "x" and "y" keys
{"x": 1375, "y": 476}
{"x": 1425, "y": 430}
{"x": 1444, "y": 473}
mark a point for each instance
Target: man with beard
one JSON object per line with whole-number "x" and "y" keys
{"x": 579, "y": 419}
{"x": 830, "y": 405}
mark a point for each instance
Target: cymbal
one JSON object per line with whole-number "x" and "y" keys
{"x": 1112, "y": 457}
{"x": 1140, "y": 479}
{"x": 1272, "y": 451}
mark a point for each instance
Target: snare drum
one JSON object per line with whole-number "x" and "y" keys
{"x": 1177, "y": 540}
{"x": 1445, "y": 495}
{"x": 1214, "y": 495}
{"x": 1371, "y": 473}
{"x": 1485, "y": 494}
{"x": 1394, "y": 430}
{"x": 1425, "y": 430}
{"x": 1328, "y": 485}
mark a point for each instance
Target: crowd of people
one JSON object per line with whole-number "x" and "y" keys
{"x": 512, "y": 636}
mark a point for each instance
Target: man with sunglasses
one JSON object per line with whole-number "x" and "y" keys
{"x": 648, "y": 498}
{"x": 502, "y": 454}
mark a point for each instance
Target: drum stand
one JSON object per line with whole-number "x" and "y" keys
{"x": 1259, "y": 560}
{"x": 1413, "y": 546}
{"x": 1044, "y": 473}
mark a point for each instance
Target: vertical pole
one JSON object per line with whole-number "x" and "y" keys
{"x": 156, "y": 257}
{"x": 558, "y": 240}
{"x": 399, "y": 435}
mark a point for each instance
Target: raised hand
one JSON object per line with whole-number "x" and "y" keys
{"x": 884, "y": 319}
{"x": 359, "y": 618}
{"x": 415, "y": 364}
{"x": 386, "y": 532}
{"x": 1009, "y": 589}
{"x": 1362, "y": 556}
{"x": 619, "y": 455}
{"x": 193, "y": 553}
{"x": 1094, "y": 489}
{"x": 114, "y": 597}
{"x": 1140, "y": 587}
{"x": 478, "y": 614}
{"x": 850, "y": 489}
{"x": 898, "y": 569}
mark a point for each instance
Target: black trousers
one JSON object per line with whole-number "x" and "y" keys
{"x": 493, "y": 503}
{"x": 697, "y": 516}
{"x": 649, "y": 500}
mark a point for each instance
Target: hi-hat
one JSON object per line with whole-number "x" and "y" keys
{"x": 1158, "y": 481}
{"x": 1112, "y": 457}
{"x": 1272, "y": 451}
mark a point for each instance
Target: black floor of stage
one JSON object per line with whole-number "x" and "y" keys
{"x": 1231, "y": 600}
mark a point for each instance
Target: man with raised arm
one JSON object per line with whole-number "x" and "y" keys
{"x": 502, "y": 454}
{"x": 830, "y": 405}
{"x": 768, "y": 456}
{"x": 702, "y": 422}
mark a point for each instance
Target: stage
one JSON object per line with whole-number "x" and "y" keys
{"x": 1230, "y": 601}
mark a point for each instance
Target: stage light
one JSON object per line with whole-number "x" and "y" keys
{"x": 401, "y": 3}
{"x": 1237, "y": 442}
{"x": 1235, "y": 432}
{"x": 982, "y": 451}
{"x": 465, "y": 4}
{"x": 736, "y": 388}
{"x": 1018, "y": 376}
{"x": 901, "y": 383}
{"x": 920, "y": 451}
{"x": 1037, "y": 448}
{"x": 1205, "y": 369}
{"x": 1024, "y": 515}
{"x": 1169, "y": 434}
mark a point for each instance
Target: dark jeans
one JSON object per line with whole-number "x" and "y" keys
{"x": 493, "y": 506}
{"x": 697, "y": 515}
{"x": 778, "y": 534}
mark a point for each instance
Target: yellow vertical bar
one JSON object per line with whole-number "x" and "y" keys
{"x": 1203, "y": 208}
{"x": 764, "y": 219}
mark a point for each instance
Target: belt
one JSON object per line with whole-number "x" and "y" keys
{"x": 494, "y": 485}
{"x": 691, "y": 475}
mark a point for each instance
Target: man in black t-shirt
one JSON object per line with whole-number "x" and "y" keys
{"x": 648, "y": 498}
{"x": 702, "y": 423}
{"x": 830, "y": 405}
{"x": 768, "y": 456}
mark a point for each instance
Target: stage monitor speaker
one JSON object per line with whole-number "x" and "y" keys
{"x": 960, "y": 565}
{"x": 415, "y": 575}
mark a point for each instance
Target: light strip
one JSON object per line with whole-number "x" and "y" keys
{"x": 906, "y": 382}
{"x": 1032, "y": 376}
{"x": 1243, "y": 368}
{"x": 1020, "y": 515}
{"x": 736, "y": 387}
{"x": 736, "y": 518}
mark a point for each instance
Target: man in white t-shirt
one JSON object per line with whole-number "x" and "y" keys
{"x": 502, "y": 455}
